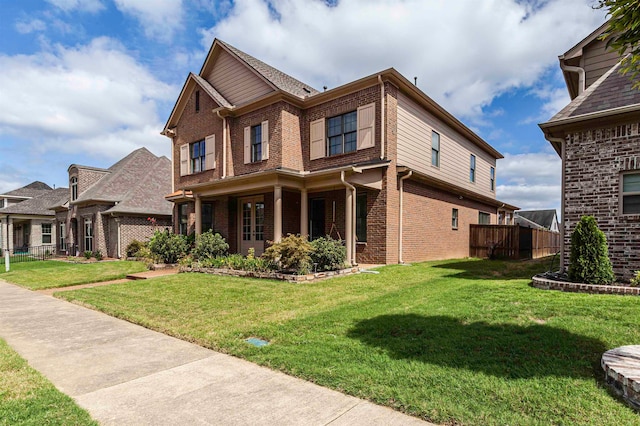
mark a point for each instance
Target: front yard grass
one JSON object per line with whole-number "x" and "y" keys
{"x": 454, "y": 342}
{"x": 27, "y": 398}
{"x": 52, "y": 273}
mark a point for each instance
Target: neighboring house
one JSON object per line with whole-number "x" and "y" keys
{"x": 105, "y": 209}
{"x": 258, "y": 154}
{"x": 538, "y": 219}
{"x": 598, "y": 138}
{"x": 27, "y": 221}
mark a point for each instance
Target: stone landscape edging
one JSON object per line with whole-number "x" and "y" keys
{"x": 549, "y": 284}
{"x": 273, "y": 275}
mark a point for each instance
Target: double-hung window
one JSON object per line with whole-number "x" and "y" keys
{"x": 342, "y": 131}
{"x": 256, "y": 143}
{"x": 492, "y": 182}
{"x": 631, "y": 193}
{"x": 454, "y": 218}
{"x": 88, "y": 235}
{"x": 197, "y": 155}
{"x": 435, "y": 149}
{"x": 46, "y": 233}
{"x": 61, "y": 236}
{"x": 484, "y": 218}
{"x": 472, "y": 168}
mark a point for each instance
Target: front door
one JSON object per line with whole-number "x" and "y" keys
{"x": 252, "y": 225}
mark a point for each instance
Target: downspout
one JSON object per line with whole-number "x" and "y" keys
{"x": 382, "y": 134}
{"x": 350, "y": 225}
{"x": 401, "y": 180}
{"x": 581, "y": 76}
{"x": 224, "y": 144}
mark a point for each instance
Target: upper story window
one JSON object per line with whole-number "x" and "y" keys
{"x": 472, "y": 168}
{"x": 197, "y": 155}
{"x": 256, "y": 143}
{"x": 341, "y": 133}
{"x": 435, "y": 149}
{"x": 1, "y": 203}
{"x": 631, "y": 193}
{"x": 492, "y": 182}
{"x": 74, "y": 188}
{"x": 484, "y": 218}
{"x": 197, "y": 101}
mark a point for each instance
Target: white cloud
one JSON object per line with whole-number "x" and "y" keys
{"x": 91, "y": 6}
{"x": 530, "y": 181}
{"x": 93, "y": 98}
{"x": 27, "y": 27}
{"x": 159, "y": 18}
{"x": 464, "y": 53}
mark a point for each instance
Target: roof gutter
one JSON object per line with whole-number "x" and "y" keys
{"x": 224, "y": 143}
{"x": 580, "y": 71}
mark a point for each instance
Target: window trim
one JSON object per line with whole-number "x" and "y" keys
{"x": 434, "y": 150}
{"x": 88, "y": 236}
{"x": 342, "y": 134}
{"x": 472, "y": 169}
{"x": 623, "y": 194}
{"x": 454, "y": 219}
{"x": 200, "y": 160}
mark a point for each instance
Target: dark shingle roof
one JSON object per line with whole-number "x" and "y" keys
{"x": 207, "y": 87}
{"x": 32, "y": 190}
{"x": 612, "y": 90}
{"x": 276, "y": 77}
{"x": 135, "y": 184}
{"x": 39, "y": 205}
{"x": 543, "y": 218}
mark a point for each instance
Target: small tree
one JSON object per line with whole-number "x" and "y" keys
{"x": 589, "y": 259}
{"x": 168, "y": 247}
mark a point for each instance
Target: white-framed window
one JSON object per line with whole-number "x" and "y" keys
{"x": 435, "y": 149}
{"x": 342, "y": 131}
{"x": 492, "y": 179}
{"x": 46, "y": 233}
{"x": 74, "y": 188}
{"x": 256, "y": 143}
{"x": 484, "y": 218}
{"x": 454, "y": 218}
{"x": 61, "y": 238}
{"x": 472, "y": 168}
{"x": 88, "y": 235}
{"x": 630, "y": 193}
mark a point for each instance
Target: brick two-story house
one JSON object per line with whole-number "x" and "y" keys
{"x": 597, "y": 136}
{"x": 105, "y": 209}
{"x": 258, "y": 154}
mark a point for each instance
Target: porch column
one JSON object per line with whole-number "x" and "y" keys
{"x": 277, "y": 213}
{"x": 198, "y": 214}
{"x": 304, "y": 213}
{"x": 348, "y": 218}
{"x": 9, "y": 233}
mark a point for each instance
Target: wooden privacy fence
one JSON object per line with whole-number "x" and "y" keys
{"x": 512, "y": 242}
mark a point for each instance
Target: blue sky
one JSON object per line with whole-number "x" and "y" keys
{"x": 88, "y": 81}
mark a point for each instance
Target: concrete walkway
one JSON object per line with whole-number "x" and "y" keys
{"x": 124, "y": 374}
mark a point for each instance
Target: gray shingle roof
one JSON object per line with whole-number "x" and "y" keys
{"x": 276, "y": 77}
{"x": 32, "y": 190}
{"x": 135, "y": 184}
{"x": 207, "y": 87}
{"x": 39, "y": 205}
{"x": 543, "y": 218}
{"x": 612, "y": 90}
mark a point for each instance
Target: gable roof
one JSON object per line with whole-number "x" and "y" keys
{"x": 543, "y": 218}
{"x": 135, "y": 184}
{"x": 39, "y": 205}
{"x": 32, "y": 190}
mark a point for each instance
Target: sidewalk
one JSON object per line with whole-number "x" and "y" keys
{"x": 124, "y": 374}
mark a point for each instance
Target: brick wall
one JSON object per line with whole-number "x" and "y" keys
{"x": 391, "y": 195}
{"x": 134, "y": 228}
{"x": 427, "y": 226}
{"x": 595, "y": 159}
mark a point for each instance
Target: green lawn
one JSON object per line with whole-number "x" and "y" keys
{"x": 453, "y": 342}
{"x": 27, "y": 398}
{"x": 52, "y": 273}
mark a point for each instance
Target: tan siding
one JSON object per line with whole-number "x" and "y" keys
{"x": 597, "y": 60}
{"x": 237, "y": 83}
{"x": 414, "y": 149}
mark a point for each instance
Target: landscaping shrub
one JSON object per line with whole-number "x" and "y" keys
{"x": 291, "y": 254}
{"x": 209, "y": 245}
{"x": 97, "y": 255}
{"x": 328, "y": 254}
{"x": 168, "y": 247}
{"x": 589, "y": 259}
{"x": 88, "y": 254}
{"x": 134, "y": 247}
{"x": 635, "y": 281}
